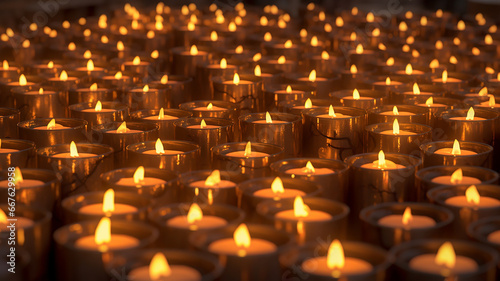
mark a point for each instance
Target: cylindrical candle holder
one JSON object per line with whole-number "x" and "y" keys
{"x": 244, "y": 94}
{"x": 482, "y": 154}
{"x": 331, "y": 175}
{"x": 111, "y": 112}
{"x": 480, "y": 129}
{"x": 138, "y": 69}
{"x": 41, "y": 104}
{"x": 403, "y": 254}
{"x": 381, "y": 137}
{"x": 146, "y": 98}
{"x": 216, "y": 132}
{"x": 179, "y": 89}
{"x": 184, "y": 62}
{"x": 305, "y": 229}
{"x": 73, "y": 259}
{"x": 9, "y": 117}
{"x": 335, "y": 137}
{"x": 321, "y": 85}
{"x": 368, "y": 98}
{"x": 90, "y": 95}
{"x": 276, "y": 94}
{"x": 296, "y": 107}
{"x": 108, "y": 134}
{"x": 166, "y": 128}
{"x": 179, "y": 156}
{"x": 388, "y": 236}
{"x": 285, "y": 130}
{"x": 405, "y": 114}
{"x": 219, "y": 109}
{"x": 16, "y": 153}
{"x": 205, "y": 73}
{"x": 176, "y": 235}
{"x": 36, "y": 130}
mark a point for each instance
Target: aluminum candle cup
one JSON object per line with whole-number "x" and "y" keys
{"x": 76, "y": 130}
{"x": 402, "y": 254}
{"x": 185, "y": 156}
{"x": 176, "y": 236}
{"x": 369, "y": 98}
{"x": 78, "y": 174}
{"x": 74, "y": 259}
{"x": 211, "y": 195}
{"x": 304, "y": 230}
{"x": 285, "y": 131}
{"x": 33, "y": 104}
{"x": 333, "y": 138}
{"x": 9, "y": 117}
{"x": 386, "y": 236}
{"x": 252, "y": 166}
{"x": 72, "y": 205}
{"x": 22, "y": 154}
{"x": 240, "y": 268}
{"x": 185, "y": 62}
{"x": 178, "y": 89}
{"x": 87, "y": 95}
{"x": 482, "y": 157}
{"x": 119, "y": 141}
{"x": 465, "y": 215}
{"x": 424, "y": 177}
{"x": 276, "y": 93}
{"x": 480, "y": 130}
{"x": 220, "y": 109}
{"x": 245, "y": 94}
{"x": 34, "y": 239}
{"x": 112, "y": 112}
{"x": 377, "y": 140}
{"x": 208, "y": 266}
{"x": 43, "y": 196}
{"x": 206, "y": 72}
{"x": 293, "y": 257}
{"x": 218, "y": 131}
{"x": 417, "y": 114}
{"x": 166, "y": 128}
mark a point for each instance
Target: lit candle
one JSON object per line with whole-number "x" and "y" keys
{"x": 396, "y": 131}
{"x": 6, "y": 150}
{"x": 209, "y": 107}
{"x": 161, "y": 116}
{"x": 407, "y": 221}
{"x": 302, "y": 212}
{"x": 98, "y": 108}
{"x": 331, "y": 114}
{"x": 410, "y": 71}
{"x": 21, "y": 222}
{"x": 313, "y": 77}
{"x": 494, "y": 237}
{"x": 108, "y": 207}
{"x": 470, "y": 116}
{"x": 213, "y": 181}
{"x": 396, "y": 112}
{"x": 307, "y": 104}
{"x": 356, "y": 96}
{"x": 159, "y": 269}
{"x": 430, "y": 103}
{"x": 336, "y": 264}
{"x": 309, "y": 170}
{"x": 455, "y": 150}
{"x": 445, "y": 262}
{"x": 104, "y": 240}
{"x": 159, "y": 150}
{"x": 203, "y": 125}
{"x": 456, "y": 178}
{"x": 73, "y": 153}
{"x": 122, "y": 129}
{"x": 195, "y": 220}
{"x": 138, "y": 179}
{"x": 445, "y": 79}
{"x": 242, "y": 244}
{"x": 52, "y": 125}
{"x": 247, "y": 153}
{"x": 236, "y": 81}
{"x": 277, "y": 191}
{"x": 20, "y": 182}
{"x": 382, "y": 163}
{"x": 491, "y": 103}
{"x": 269, "y": 120}
{"x": 472, "y": 199}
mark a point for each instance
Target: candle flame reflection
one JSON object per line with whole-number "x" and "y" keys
{"x": 159, "y": 268}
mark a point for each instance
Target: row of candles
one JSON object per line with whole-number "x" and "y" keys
{"x": 203, "y": 156}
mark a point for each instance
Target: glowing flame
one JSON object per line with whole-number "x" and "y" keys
{"x": 231, "y": 27}
{"x": 339, "y": 21}
{"x": 395, "y": 110}
{"x": 213, "y": 36}
{"x": 257, "y": 57}
{"x": 87, "y": 54}
{"x": 328, "y": 28}
{"x": 403, "y": 26}
{"x": 470, "y": 114}
{"x": 277, "y": 186}
{"x": 376, "y": 32}
{"x": 159, "y": 147}
{"x": 118, "y": 75}
{"x": 461, "y": 25}
{"x": 122, "y": 128}
{"x": 354, "y": 69}
{"x": 310, "y": 168}
{"x": 395, "y": 127}
{"x": 405, "y": 48}
{"x": 145, "y": 88}
{"x": 300, "y": 210}
{"x": 288, "y": 44}
{"x": 194, "y": 214}
{"x": 335, "y": 258}
{"x": 483, "y": 91}
{"x": 120, "y": 46}
{"x": 263, "y": 21}
{"x": 325, "y": 55}
{"x": 242, "y": 237}
{"x": 40, "y": 91}
{"x": 63, "y": 76}
{"x": 407, "y": 216}
{"x": 456, "y": 148}
{"x": 314, "y": 41}
{"x": 98, "y": 106}
{"x": 52, "y": 124}
{"x": 370, "y": 17}
{"x": 457, "y": 176}
{"x": 355, "y": 94}
{"x": 139, "y": 175}
{"x": 238, "y": 49}
{"x": 408, "y": 69}
{"x": 331, "y": 112}
{"x": 388, "y": 81}
{"x": 90, "y": 65}
{"x": 159, "y": 268}
{"x": 268, "y": 117}
{"x": 381, "y": 47}
{"x": 434, "y": 63}
{"x": 136, "y": 61}
{"x": 236, "y": 79}
{"x": 18, "y": 176}
{"x": 475, "y": 51}
{"x": 190, "y": 26}
{"x": 308, "y": 103}
{"x": 423, "y": 21}
{"x": 257, "y": 70}
{"x": 489, "y": 70}
{"x": 93, "y": 87}
{"x": 444, "y": 76}
{"x": 312, "y": 75}
{"x": 73, "y": 151}
{"x": 193, "y": 51}
{"x": 359, "y": 49}
{"x": 288, "y": 89}
{"x": 281, "y": 60}
{"x": 491, "y": 101}
{"x": 26, "y": 43}
{"x": 268, "y": 37}
{"x": 5, "y": 65}
{"x": 108, "y": 201}
{"x": 103, "y": 231}
{"x": 446, "y": 255}
{"x": 488, "y": 40}
{"x": 203, "y": 124}
{"x": 390, "y": 61}
{"x": 381, "y": 160}
{"x": 213, "y": 179}
{"x": 22, "y": 80}
{"x": 155, "y": 54}
{"x": 472, "y": 195}
{"x": 161, "y": 114}
{"x": 210, "y": 106}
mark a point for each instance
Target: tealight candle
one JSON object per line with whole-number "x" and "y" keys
{"x": 430, "y": 103}
{"x": 139, "y": 179}
{"x": 247, "y": 152}
{"x": 472, "y": 199}
{"x": 407, "y": 220}
{"x": 108, "y": 206}
{"x": 396, "y": 112}
{"x": 277, "y": 191}
{"x": 195, "y": 219}
{"x": 98, "y": 108}
{"x": 242, "y": 244}
{"x": 122, "y": 129}
{"x": 73, "y": 153}
{"x": 104, "y": 240}
{"x": 159, "y": 149}
{"x": 160, "y": 269}
{"x": 332, "y": 115}
{"x": 268, "y": 120}
{"x": 470, "y": 116}
{"x": 52, "y": 126}
{"x": 213, "y": 181}
{"x": 455, "y": 150}
{"x": 203, "y": 125}
{"x": 382, "y": 164}
{"x": 455, "y": 179}
{"x": 161, "y": 116}
{"x": 395, "y": 130}
{"x": 209, "y": 107}
{"x": 302, "y": 212}
{"x": 309, "y": 170}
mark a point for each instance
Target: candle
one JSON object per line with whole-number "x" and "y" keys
{"x": 332, "y": 115}
{"x": 455, "y": 150}
{"x": 103, "y": 240}
{"x": 247, "y": 153}
{"x": 52, "y": 126}
{"x": 122, "y": 129}
{"x": 356, "y": 96}
{"x": 203, "y": 125}
{"x": 242, "y": 244}
{"x": 410, "y": 71}
{"x": 195, "y": 220}
{"x": 302, "y": 212}
{"x": 73, "y": 153}
{"x": 335, "y": 264}
{"x": 269, "y": 120}
{"x": 289, "y": 91}
{"x": 494, "y": 237}
{"x": 445, "y": 79}
{"x": 6, "y": 150}
{"x": 312, "y": 77}
{"x": 395, "y": 130}
{"x": 491, "y": 103}
{"x": 20, "y": 222}
{"x": 108, "y": 206}
{"x": 98, "y": 108}
{"x": 470, "y": 116}
{"x": 139, "y": 180}
{"x": 159, "y": 150}
{"x": 382, "y": 164}
{"x": 430, "y": 103}
{"x": 472, "y": 199}
{"x": 445, "y": 262}
{"x": 456, "y": 178}
{"x": 209, "y": 107}
{"x": 309, "y": 170}
{"x": 161, "y": 116}
{"x": 159, "y": 269}
{"x": 307, "y": 104}
{"x": 407, "y": 221}
{"x": 20, "y": 182}
{"x": 396, "y": 112}
{"x": 213, "y": 181}
{"x": 277, "y": 191}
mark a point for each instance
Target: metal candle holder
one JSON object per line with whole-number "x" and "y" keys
{"x": 9, "y": 117}
{"x": 76, "y": 131}
{"x": 333, "y": 228}
{"x": 137, "y": 71}
{"x": 378, "y": 98}
{"x": 166, "y": 128}
{"x": 120, "y": 113}
{"x": 86, "y": 95}
{"x": 176, "y": 237}
{"x": 73, "y": 261}
{"x": 185, "y": 161}
{"x": 245, "y": 94}
{"x": 480, "y": 229}
{"x": 24, "y": 157}
{"x": 483, "y": 158}
{"x": 296, "y": 107}
{"x": 469, "y": 130}
{"x": 388, "y": 237}
{"x": 120, "y": 141}
{"x": 206, "y": 72}
{"x": 184, "y": 63}
{"x": 406, "y": 144}
{"x": 275, "y": 94}
{"x": 486, "y": 258}
{"x": 33, "y": 105}
{"x": 322, "y": 85}
{"x": 178, "y": 89}
{"x": 287, "y": 134}
{"x": 334, "y": 138}
{"x": 420, "y": 115}
{"x": 228, "y": 111}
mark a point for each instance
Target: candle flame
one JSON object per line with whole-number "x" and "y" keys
{"x": 314, "y": 41}
{"x": 268, "y": 117}
{"x": 159, "y": 268}
{"x": 213, "y": 179}
{"x": 288, "y": 44}
{"x": 98, "y": 106}
{"x": 73, "y": 151}
{"x": 242, "y": 237}
{"x": 331, "y": 112}
{"x": 210, "y": 106}
{"x": 120, "y": 46}
{"x": 439, "y": 13}
{"x": 488, "y": 39}
{"x": 354, "y": 69}
{"x": 457, "y": 176}
{"x": 288, "y": 89}
{"x": 87, "y": 54}
{"x": 236, "y": 79}
{"x": 123, "y": 30}
{"x": 446, "y": 255}
{"x": 395, "y": 110}
{"x": 257, "y": 70}
{"x": 355, "y": 94}
{"x": 475, "y": 51}
{"x": 403, "y": 26}
{"x": 118, "y": 75}
{"x": 122, "y": 128}
{"x": 303, "y": 33}
{"x": 312, "y": 75}
{"x": 493, "y": 29}
{"x": 491, "y": 101}
{"x": 277, "y": 186}
{"x": 136, "y": 61}
{"x": 376, "y": 32}
{"x": 310, "y": 168}
{"x": 415, "y": 54}
{"x": 40, "y": 91}
{"x": 18, "y": 176}
{"x": 159, "y": 147}
{"x": 335, "y": 257}
{"x": 248, "y": 149}
{"x": 161, "y": 114}
{"x": 339, "y": 21}
{"x": 461, "y": 25}
{"x": 155, "y": 54}
{"x": 194, "y": 214}
{"x": 407, "y": 216}
{"x": 22, "y": 80}
{"x": 408, "y": 69}
{"x": 239, "y": 49}
{"x": 193, "y": 51}
{"x": 472, "y": 195}
{"x": 381, "y": 47}
{"x": 434, "y": 64}
{"x": 354, "y": 11}
{"x": 281, "y": 60}
{"x": 103, "y": 231}
{"x": 145, "y": 88}
{"x": 489, "y": 70}
{"x": 470, "y": 114}
{"x": 456, "y": 41}
{"x": 325, "y": 55}
{"x": 327, "y": 27}
{"x": 416, "y": 89}
{"x": 52, "y": 124}
{"x": 456, "y": 148}
{"x": 483, "y": 92}
{"x": 93, "y": 87}
{"x": 359, "y": 49}
{"x": 444, "y": 76}
{"x": 3, "y": 217}
{"x": 26, "y": 43}
{"x": 190, "y": 26}
{"x": 213, "y": 36}
{"x": 5, "y": 65}
{"x": 423, "y": 21}
{"x": 388, "y": 81}
{"x": 90, "y": 65}
{"x": 257, "y": 57}
{"x": 300, "y": 210}
{"x": 308, "y": 103}
{"x": 370, "y": 17}
{"x": 405, "y": 48}
{"x": 139, "y": 175}
{"x": 108, "y": 201}
{"x": 395, "y": 127}
{"x": 268, "y": 37}
{"x": 390, "y": 61}
{"x": 438, "y": 45}
{"x": 263, "y": 21}
{"x": 203, "y": 124}
{"x": 381, "y": 164}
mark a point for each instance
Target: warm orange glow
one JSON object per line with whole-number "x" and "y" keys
{"x": 395, "y": 127}
{"x": 257, "y": 71}
{"x": 390, "y": 61}
{"x": 395, "y": 110}
{"x": 161, "y": 114}
{"x": 388, "y": 81}
{"x": 381, "y": 47}
{"x": 423, "y": 21}
{"x": 18, "y": 176}
{"x": 98, "y": 106}
{"x": 489, "y": 70}
{"x": 491, "y": 101}
{"x": 331, "y": 112}
{"x": 26, "y": 43}
{"x": 308, "y": 103}
{"x": 103, "y": 231}
{"x": 312, "y": 75}
{"x": 238, "y": 49}
{"x": 108, "y": 201}
{"x": 236, "y": 79}
{"x": 461, "y": 25}
{"x": 325, "y": 55}
{"x": 281, "y": 60}
{"x": 3, "y": 217}
{"x": 483, "y": 92}
{"x": 314, "y": 41}
{"x": 93, "y": 87}
{"x": 457, "y": 176}
{"x": 310, "y": 168}
{"x": 158, "y": 25}
{"x": 359, "y": 49}
{"x": 355, "y": 94}
{"x": 22, "y": 80}
{"x": 416, "y": 89}
{"x": 139, "y": 175}
{"x": 257, "y": 57}
{"x": 40, "y": 91}
{"x": 354, "y": 11}
{"x": 335, "y": 258}
{"x": 439, "y": 13}
{"x": 339, "y": 21}
{"x": 159, "y": 147}
{"x": 122, "y": 128}
{"x": 403, "y": 26}
{"x": 268, "y": 37}
{"x": 145, "y": 88}
{"x": 475, "y": 51}
{"x": 327, "y": 27}
{"x": 488, "y": 39}
{"x": 456, "y": 148}
{"x": 136, "y": 61}
{"x": 382, "y": 164}
{"x": 263, "y": 21}
{"x": 277, "y": 186}
{"x": 439, "y": 44}
{"x": 231, "y": 26}
{"x": 52, "y": 124}
{"x": 223, "y": 63}
{"x": 472, "y": 195}
{"x": 408, "y": 69}
{"x": 493, "y": 29}
{"x": 193, "y": 51}
{"x": 155, "y": 54}
{"x": 194, "y": 214}
{"x": 288, "y": 89}
{"x": 203, "y": 124}
{"x": 242, "y": 237}
{"x": 190, "y": 26}
{"x": 376, "y": 32}
{"x": 406, "y": 48}
{"x": 213, "y": 36}
{"x": 63, "y": 76}
{"x": 300, "y": 210}
{"x": 446, "y": 255}
{"x": 210, "y": 106}
{"x": 288, "y": 44}
{"x": 213, "y": 179}
{"x": 415, "y": 53}
{"x": 120, "y": 46}
{"x": 87, "y": 54}
{"x": 370, "y": 17}
{"x": 159, "y": 268}
{"x": 220, "y": 18}
{"x": 353, "y": 36}
{"x": 470, "y": 114}
{"x": 5, "y": 65}
{"x": 122, "y": 30}
{"x": 444, "y": 76}
{"x": 353, "y": 69}
{"x": 407, "y": 216}
{"x": 434, "y": 63}
{"x": 164, "y": 79}
{"x": 453, "y": 60}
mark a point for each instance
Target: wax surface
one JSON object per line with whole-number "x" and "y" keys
{"x": 177, "y": 273}
{"x": 214, "y": 108}
{"x": 265, "y": 122}
{"x": 465, "y": 118}
{"x": 494, "y": 237}
{"x": 268, "y": 193}
{"x": 352, "y": 266}
{"x": 20, "y": 223}
{"x": 129, "y": 131}
{"x": 396, "y": 221}
{"x": 389, "y": 165}
{"x": 117, "y": 242}
{"x": 401, "y": 133}
{"x": 431, "y": 105}
{"x": 102, "y": 110}
{"x": 360, "y": 98}
{"x": 401, "y": 113}
{"x": 167, "y": 152}
{"x": 241, "y": 154}
{"x": 205, "y": 127}
{"x": 57, "y": 127}
{"x": 314, "y": 215}
{"x": 147, "y": 181}
{"x": 446, "y": 180}
{"x": 68, "y": 155}
{"x": 227, "y": 246}
{"x": 426, "y": 263}
{"x": 449, "y": 80}
{"x": 305, "y": 172}
{"x": 292, "y": 92}
{"x": 206, "y": 222}
{"x": 447, "y": 151}
{"x": 96, "y": 209}
{"x": 242, "y": 82}
{"x": 8, "y": 150}
{"x": 337, "y": 115}
{"x": 221, "y": 184}
{"x": 484, "y": 202}
{"x": 165, "y": 117}
{"x": 27, "y": 183}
